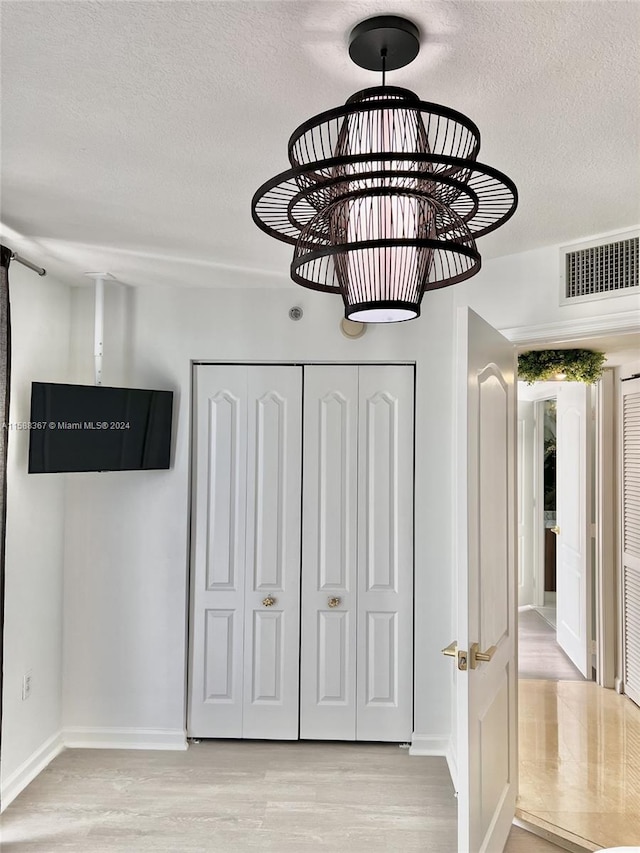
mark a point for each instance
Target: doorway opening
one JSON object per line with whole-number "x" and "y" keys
{"x": 576, "y": 759}
{"x": 555, "y": 590}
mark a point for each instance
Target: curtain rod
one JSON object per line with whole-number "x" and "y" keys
{"x": 16, "y": 257}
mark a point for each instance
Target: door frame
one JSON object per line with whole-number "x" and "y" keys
{"x": 538, "y": 498}
{"x": 538, "y": 399}
{"x": 607, "y": 497}
{"x": 587, "y": 331}
{"x": 189, "y": 604}
{"x": 606, "y": 475}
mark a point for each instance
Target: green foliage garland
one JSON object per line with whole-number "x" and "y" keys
{"x": 578, "y": 365}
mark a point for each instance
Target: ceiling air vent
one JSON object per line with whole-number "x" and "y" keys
{"x": 599, "y": 269}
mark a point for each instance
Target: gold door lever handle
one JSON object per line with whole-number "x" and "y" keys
{"x": 334, "y": 602}
{"x": 451, "y": 650}
{"x": 269, "y": 601}
{"x": 555, "y": 529}
{"x": 476, "y": 655}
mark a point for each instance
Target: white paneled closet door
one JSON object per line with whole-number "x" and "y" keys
{"x": 357, "y": 567}
{"x": 218, "y": 540}
{"x": 272, "y": 591}
{"x": 385, "y": 553}
{"x": 246, "y": 552}
{"x": 329, "y": 555}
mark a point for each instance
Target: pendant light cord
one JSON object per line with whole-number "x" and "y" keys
{"x": 383, "y": 54}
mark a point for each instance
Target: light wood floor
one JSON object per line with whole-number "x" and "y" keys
{"x": 231, "y": 796}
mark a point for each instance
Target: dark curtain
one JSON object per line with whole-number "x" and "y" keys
{"x": 5, "y": 383}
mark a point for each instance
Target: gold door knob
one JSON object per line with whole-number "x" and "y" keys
{"x": 555, "y": 529}
{"x": 476, "y": 655}
{"x": 334, "y": 602}
{"x": 268, "y": 601}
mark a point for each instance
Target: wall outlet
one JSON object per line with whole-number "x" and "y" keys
{"x": 26, "y": 685}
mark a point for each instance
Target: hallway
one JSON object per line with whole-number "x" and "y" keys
{"x": 539, "y": 655}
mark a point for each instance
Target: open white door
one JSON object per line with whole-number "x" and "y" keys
{"x": 486, "y": 586}
{"x": 573, "y": 502}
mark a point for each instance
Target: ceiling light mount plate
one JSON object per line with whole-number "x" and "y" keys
{"x": 105, "y": 275}
{"x": 369, "y": 38}
{"x": 351, "y": 329}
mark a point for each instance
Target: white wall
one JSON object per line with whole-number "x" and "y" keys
{"x": 524, "y": 290}
{"x": 127, "y": 533}
{"x": 40, "y": 315}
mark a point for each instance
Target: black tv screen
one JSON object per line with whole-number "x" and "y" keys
{"x": 97, "y": 428}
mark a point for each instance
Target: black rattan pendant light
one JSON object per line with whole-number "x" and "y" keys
{"x": 384, "y": 198}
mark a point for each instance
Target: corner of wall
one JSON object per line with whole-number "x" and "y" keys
{"x": 429, "y": 744}
{"x": 29, "y": 769}
{"x": 31, "y": 729}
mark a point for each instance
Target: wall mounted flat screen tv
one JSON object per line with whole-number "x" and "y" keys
{"x": 97, "y": 428}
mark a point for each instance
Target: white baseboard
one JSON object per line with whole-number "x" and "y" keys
{"x": 30, "y": 768}
{"x": 122, "y": 738}
{"x": 429, "y": 745}
{"x": 526, "y": 607}
{"x": 87, "y": 738}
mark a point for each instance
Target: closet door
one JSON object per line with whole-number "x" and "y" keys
{"x": 329, "y": 555}
{"x": 630, "y": 529}
{"x": 385, "y": 554}
{"x": 272, "y": 591}
{"x": 246, "y": 552}
{"x": 218, "y": 547}
{"x": 357, "y": 655}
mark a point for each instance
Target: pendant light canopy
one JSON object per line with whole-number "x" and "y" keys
{"x": 384, "y": 198}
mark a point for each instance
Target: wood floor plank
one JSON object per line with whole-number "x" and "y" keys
{"x": 239, "y": 797}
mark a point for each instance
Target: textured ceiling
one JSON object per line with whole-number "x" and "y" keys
{"x": 134, "y": 134}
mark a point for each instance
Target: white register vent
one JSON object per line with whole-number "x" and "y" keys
{"x": 599, "y": 269}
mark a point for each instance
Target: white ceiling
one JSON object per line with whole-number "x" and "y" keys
{"x": 135, "y": 133}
